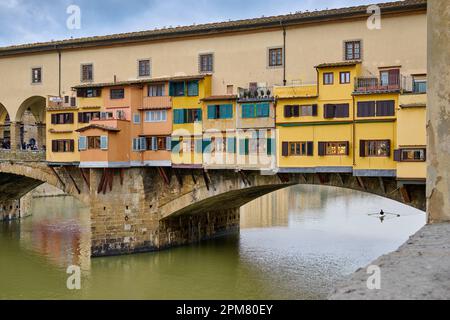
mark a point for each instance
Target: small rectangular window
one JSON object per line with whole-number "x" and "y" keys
{"x": 36, "y": 75}
{"x": 206, "y": 63}
{"x": 137, "y": 118}
{"x": 144, "y": 68}
{"x": 352, "y": 50}
{"x": 375, "y": 148}
{"x": 192, "y": 88}
{"x": 156, "y": 116}
{"x": 93, "y": 143}
{"x": 276, "y": 57}
{"x": 63, "y": 146}
{"x": 87, "y": 72}
{"x": 117, "y": 94}
{"x": 336, "y": 148}
{"x": 156, "y": 90}
{"x": 328, "y": 78}
{"x": 345, "y": 77}
{"x": 62, "y": 118}
{"x": 411, "y": 155}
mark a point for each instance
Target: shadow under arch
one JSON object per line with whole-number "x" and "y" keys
{"x": 31, "y": 117}
{"x": 5, "y": 128}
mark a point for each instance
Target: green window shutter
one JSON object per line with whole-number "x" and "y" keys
{"x": 244, "y": 145}
{"x": 206, "y": 146}
{"x": 171, "y": 89}
{"x": 248, "y": 111}
{"x": 226, "y": 111}
{"x": 192, "y": 88}
{"x": 104, "y": 142}
{"x": 263, "y": 110}
{"x": 179, "y": 116}
{"x": 82, "y": 143}
{"x": 212, "y": 112}
{"x": 231, "y": 145}
{"x": 200, "y": 114}
{"x": 270, "y": 146}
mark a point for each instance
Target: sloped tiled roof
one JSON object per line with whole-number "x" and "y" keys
{"x": 219, "y": 27}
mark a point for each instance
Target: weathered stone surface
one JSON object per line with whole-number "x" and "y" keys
{"x": 418, "y": 270}
{"x": 438, "y": 128}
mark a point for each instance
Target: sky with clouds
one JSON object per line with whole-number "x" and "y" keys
{"x": 29, "y": 21}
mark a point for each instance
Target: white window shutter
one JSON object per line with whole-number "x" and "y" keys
{"x": 169, "y": 143}
{"x": 143, "y": 144}
{"x": 82, "y": 143}
{"x": 154, "y": 144}
{"x": 104, "y": 142}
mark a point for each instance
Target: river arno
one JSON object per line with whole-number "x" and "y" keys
{"x": 294, "y": 244}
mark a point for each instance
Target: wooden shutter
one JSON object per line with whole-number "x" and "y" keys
{"x": 398, "y": 155}
{"x": 287, "y": 111}
{"x": 54, "y": 146}
{"x": 314, "y": 110}
{"x": 310, "y": 148}
{"x": 73, "y": 102}
{"x": 322, "y": 148}
{"x": 394, "y": 78}
{"x": 168, "y": 143}
{"x": 54, "y": 118}
{"x": 72, "y": 145}
{"x": 342, "y": 110}
{"x": 296, "y": 111}
{"x": 362, "y": 148}
{"x": 329, "y": 111}
{"x": 285, "y": 149}
{"x": 270, "y": 146}
{"x": 347, "y": 148}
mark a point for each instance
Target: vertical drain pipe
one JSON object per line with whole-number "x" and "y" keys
{"x": 59, "y": 72}
{"x": 284, "y": 53}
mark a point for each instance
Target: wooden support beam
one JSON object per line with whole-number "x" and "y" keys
{"x": 361, "y": 182}
{"x": 73, "y": 180}
{"x": 179, "y": 177}
{"x": 102, "y": 180}
{"x": 405, "y": 194}
{"x": 207, "y": 180}
{"x": 304, "y": 179}
{"x": 59, "y": 178}
{"x": 245, "y": 178}
{"x": 194, "y": 179}
{"x": 284, "y": 178}
{"x": 111, "y": 179}
{"x": 163, "y": 174}
{"x": 122, "y": 176}
{"x": 341, "y": 179}
{"x": 322, "y": 179}
{"x": 86, "y": 178}
{"x": 382, "y": 185}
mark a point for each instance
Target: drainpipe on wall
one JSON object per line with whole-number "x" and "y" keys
{"x": 59, "y": 71}
{"x": 354, "y": 131}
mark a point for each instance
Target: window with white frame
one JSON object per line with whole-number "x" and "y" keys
{"x": 156, "y": 116}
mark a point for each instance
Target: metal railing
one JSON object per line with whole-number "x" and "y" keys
{"x": 375, "y": 84}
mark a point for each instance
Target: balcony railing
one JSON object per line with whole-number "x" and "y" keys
{"x": 256, "y": 93}
{"x": 374, "y": 84}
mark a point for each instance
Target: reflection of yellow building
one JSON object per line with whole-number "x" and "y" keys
{"x": 187, "y": 137}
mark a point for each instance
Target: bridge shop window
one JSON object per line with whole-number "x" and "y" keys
{"x": 334, "y": 148}
{"x": 206, "y": 63}
{"x": 298, "y": 149}
{"x": 367, "y": 109}
{"x": 144, "y": 68}
{"x": 275, "y": 57}
{"x": 255, "y": 110}
{"x": 87, "y": 72}
{"x": 336, "y": 111}
{"x": 36, "y": 75}
{"x": 117, "y": 94}
{"x": 156, "y": 90}
{"x": 344, "y": 77}
{"x": 224, "y": 111}
{"x": 375, "y": 148}
{"x": 60, "y": 146}
{"x": 156, "y": 116}
{"x": 86, "y": 117}
{"x": 158, "y": 143}
{"x": 352, "y": 50}
{"x": 328, "y": 78}
{"x": 411, "y": 155}
{"x": 89, "y": 93}
{"x": 62, "y": 118}
{"x": 184, "y": 116}
{"x": 300, "y": 111}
